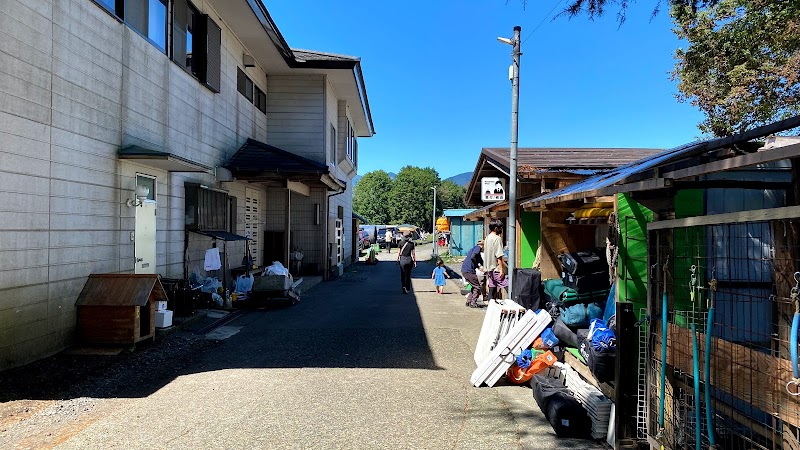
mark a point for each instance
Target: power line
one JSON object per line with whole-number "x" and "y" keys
{"x": 543, "y": 20}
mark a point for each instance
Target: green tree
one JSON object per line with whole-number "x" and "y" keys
{"x": 411, "y": 196}
{"x": 371, "y": 197}
{"x": 597, "y": 8}
{"x": 451, "y": 196}
{"x": 742, "y": 65}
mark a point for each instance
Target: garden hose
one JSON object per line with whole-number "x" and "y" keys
{"x": 795, "y": 381}
{"x": 698, "y": 424}
{"x": 707, "y": 362}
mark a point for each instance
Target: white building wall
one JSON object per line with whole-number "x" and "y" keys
{"x": 75, "y": 86}
{"x": 344, "y": 171}
{"x": 296, "y": 113}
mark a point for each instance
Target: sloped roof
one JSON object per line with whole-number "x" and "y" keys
{"x": 314, "y": 55}
{"x": 119, "y": 289}
{"x": 604, "y": 183}
{"x": 533, "y": 158}
{"x": 256, "y": 157}
{"x": 565, "y": 163}
{"x": 457, "y": 212}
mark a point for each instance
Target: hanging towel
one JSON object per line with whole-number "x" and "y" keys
{"x": 212, "y": 261}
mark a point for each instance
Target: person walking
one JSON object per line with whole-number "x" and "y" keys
{"x": 469, "y": 270}
{"x": 407, "y": 258}
{"x": 495, "y": 266}
{"x": 438, "y": 276}
{"x": 388, "y": 240}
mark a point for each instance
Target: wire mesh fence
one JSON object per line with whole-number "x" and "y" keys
{"x": 729, "y": 294}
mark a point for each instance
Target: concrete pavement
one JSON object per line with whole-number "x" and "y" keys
{"x": 356, "y": 364}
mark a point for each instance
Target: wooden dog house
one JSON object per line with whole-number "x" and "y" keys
{"x": 118, "y": 308}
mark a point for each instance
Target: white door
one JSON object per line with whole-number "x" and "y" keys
{"x": 252, "y": 224}
{"x": 144, "y": 246}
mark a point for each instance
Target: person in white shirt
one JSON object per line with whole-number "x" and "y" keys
{"x": 388, "y": 239}
{"x": 495, "y": 266}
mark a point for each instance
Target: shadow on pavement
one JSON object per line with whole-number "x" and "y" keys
{"x": 361, "y": 320}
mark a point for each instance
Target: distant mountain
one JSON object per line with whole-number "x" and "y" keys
{"x": 461, "y": 179}
{"x": 392, "y": 175}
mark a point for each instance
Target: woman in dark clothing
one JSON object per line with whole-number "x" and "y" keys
{"x": 407, "y": 258}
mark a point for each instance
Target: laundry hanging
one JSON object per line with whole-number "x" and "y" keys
{"x": 212, "y": 260}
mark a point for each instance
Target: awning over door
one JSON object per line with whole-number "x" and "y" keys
{"x": 259, "y": 162}
{"x": 160, "y": 159}
{"x": 221, "y": 235}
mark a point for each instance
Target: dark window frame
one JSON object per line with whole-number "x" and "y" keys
{"x": 351, "y": 143}
{"x": 118, "y": 12}
{"x": 249, "y": 90}
{"x": 334, "y": 146}
{"x": 208, "y": 34}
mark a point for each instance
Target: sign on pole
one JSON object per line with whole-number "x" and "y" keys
{"x": 493, "y": 189}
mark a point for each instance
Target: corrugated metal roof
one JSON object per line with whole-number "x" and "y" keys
{"x": 457, "y": 212}
{"x": 479, "y": 213}
{"x": 683, "y": 151}
{"x": 568, "y": 158}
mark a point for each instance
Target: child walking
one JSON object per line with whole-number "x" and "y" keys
{"x": 438, "y": 276}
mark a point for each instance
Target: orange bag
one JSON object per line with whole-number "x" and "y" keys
{"x": 518, "y": 375}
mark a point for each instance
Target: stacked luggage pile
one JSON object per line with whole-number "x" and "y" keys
{"x": 581, "y": 304}
{"x": 554, "y": 347}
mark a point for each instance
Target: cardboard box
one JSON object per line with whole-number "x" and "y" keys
{"x": 161, "y": 305}
{"x": 164, "y": 319}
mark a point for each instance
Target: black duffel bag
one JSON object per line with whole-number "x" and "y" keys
{"x": 600, "y": 362}
{"x": 527, "y": 288}
{"x": 564, "y": 413}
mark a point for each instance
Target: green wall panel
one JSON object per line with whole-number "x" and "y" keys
{"x": 632, "y": 260}
{"x": 530, "y": 235}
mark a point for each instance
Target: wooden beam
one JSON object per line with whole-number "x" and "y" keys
{"x": 756, "y": 215}
{"x": 733, "y": 184}
{"x": 735, "y": 369}
{"x": 645, "y": 185}
{"x": 737, "y": 162}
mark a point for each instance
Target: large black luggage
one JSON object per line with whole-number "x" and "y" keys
{"x": 527, "y": 288}
{"x": 600, "y": 362}
{"x": 584, "y": 284}
{"x": 585, "y": 262}
{"x": 565, "y": 414}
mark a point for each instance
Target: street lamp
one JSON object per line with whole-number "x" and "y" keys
{"x": 433, "y": 224}
{"x": 512, "y": 169}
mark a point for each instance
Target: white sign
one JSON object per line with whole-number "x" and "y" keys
{"x": 493, "y": 189}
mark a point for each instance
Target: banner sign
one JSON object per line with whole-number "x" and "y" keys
{"x": 493, "y": 189}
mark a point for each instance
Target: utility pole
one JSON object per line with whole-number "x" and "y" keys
{"x": 435, "y": 249}
{"x": 512, "y": 167}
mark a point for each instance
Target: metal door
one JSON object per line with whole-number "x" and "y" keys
{"x": 145, "y": 238}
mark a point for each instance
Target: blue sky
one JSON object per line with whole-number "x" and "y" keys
{"x": 437, "y": 78}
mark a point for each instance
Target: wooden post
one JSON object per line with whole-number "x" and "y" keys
{"x": 783, "y": 268}
{"x": 625, "y": 385}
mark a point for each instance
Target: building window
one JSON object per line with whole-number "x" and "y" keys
{"x": 186, "y": 23}
{"x": 147, "y": 17}
{"x": 332, "y": 145}
{"x": 351, "y": 142}
{"x": 196, "y": 39}
{"x": 250, "y": 91}
{"x": 260, "y": 99}
{"x": 149, "y": 182}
